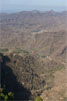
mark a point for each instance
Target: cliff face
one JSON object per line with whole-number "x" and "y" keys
{"x": 28, "y": 75}
{"x": 19, "y": 76}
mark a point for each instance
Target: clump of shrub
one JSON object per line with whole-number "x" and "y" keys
{"x": 38, "y": 98}
{"x": 4, "y": 50}
{"x": 6, "y": 97}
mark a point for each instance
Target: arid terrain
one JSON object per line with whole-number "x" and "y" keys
{"x": 33, "y": 51}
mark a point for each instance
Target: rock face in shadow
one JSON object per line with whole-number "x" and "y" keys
{"x": 19, "y": 77}
{"x": 8, "y": 79}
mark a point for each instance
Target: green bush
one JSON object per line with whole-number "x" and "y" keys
{"x": 3, "y": 97}
{"x": 38, "y": 98}
{"x": 4, "y": 50}
{"x": 7, "y": 97}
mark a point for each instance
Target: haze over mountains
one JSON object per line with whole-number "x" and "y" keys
{"x": 35, "y": 44}
{"x": 43, "y": 33}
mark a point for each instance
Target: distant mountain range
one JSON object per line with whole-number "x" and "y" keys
{"x": 42, "y": 32}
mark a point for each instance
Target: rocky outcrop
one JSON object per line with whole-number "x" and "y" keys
{"x": 19, "y": 76}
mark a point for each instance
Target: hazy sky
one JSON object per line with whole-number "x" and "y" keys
{"x": 17, "y": 5}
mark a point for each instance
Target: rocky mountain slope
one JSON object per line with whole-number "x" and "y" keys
{"x": 58, "y": 92}
{"x": 32, "y": 48}
{"x": 27, "y": 75}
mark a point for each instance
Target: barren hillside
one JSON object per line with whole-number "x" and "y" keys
{"x": 33, "y": 50}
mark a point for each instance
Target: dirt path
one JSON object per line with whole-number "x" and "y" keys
{"x": 59, "y": 90}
